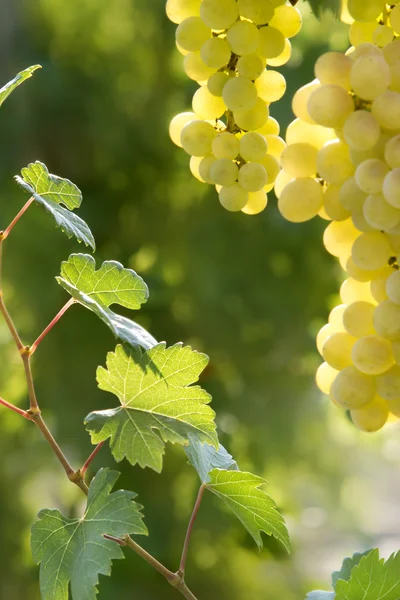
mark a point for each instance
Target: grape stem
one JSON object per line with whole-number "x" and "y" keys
{"x": 16, "y": 409}
{"x": 50, "y": 326}
{"x": 196, "y": 508}
{"x": 91, "y": 458}
{"x": 4, "y": 234}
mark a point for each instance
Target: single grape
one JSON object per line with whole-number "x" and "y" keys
{"x": 192, "y": 33}
{"x": 243, "y": 38}
{"x": 271, "y": 42}
{"x": 300, "y": 160}
{"x": 372, "y": 355}
{"x": 372, "y": 417}
{"x": 353, "y": 389}
{"x": 371, "y": 250}
{"x": 300, "y": 200}
{"x": 337, "y": 350}
{"x": 358, "y": 318}
{"x": 252, "y": 177}
{"x": 255, "y": 118}
{"x": 256, "y": 203}
{"x": 215, "y": 52}
{"x": 197, "y": 137}
{"x": 177, "y": 124}
{"x": 334, "y": 68}
{"x": 271, "y": 86}
{"x": 330, "y": 105}
{"x": 325, "y": 377}
{"x": 219, "y": 14}
{"x": 387, "y": 320}
{"x": 253, "y": 146}
{"x": 240, "y": 94}
{"x": 233, "y": 198}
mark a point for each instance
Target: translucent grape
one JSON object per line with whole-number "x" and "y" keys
{"x": 283, "y": 57}
{"x": 325, "y": 377}
{"x": 358, "y": 318}
{"x": 388, "y": 384}
{"x": 333, "y": 162}
{"x": 271, "y": 126}
{"x": 251, "y": 66}
{"x": 300, "y": 160}
{"x": 370, "y": 175}
{"x": 271, "y": 86}
{"x": 287, "y": 19}
{"x": 219, "y": 14}
{"x": 300, "y": 200}
{"x": 276, "y": 145}
{"x": 332, "y": 205}
{"x": 226, "y": 145}
{"x": 336, "y": 317}
{"x": 194, "y": 165}
{"x": 177, "y": 124}
{"x": 240, "y": 94}
{"x": 216, "y": 83}
{"x": 330, "y": 105}
{"x": 334, "y": 68}
{"x": 300, "y": 101}
{"x": 386, "y": 110}
{"x": 352, "y": 389}
{"x": 378, "y": 289}
{"x": 243, "y": 37}
{"x": 215, "y": 52}
{"x": 371, "y": 417}
{"x": 339, "y": 237}
{"x": 281, "y": 182}
{"x": 395, "y": 19}
{"x": 253, "y": 146}
{"x": 233, "y": 198}
{"x": 195, "y": 68}
{"x": 197, "y": 137}
{"x": 337, "y": 350}
{"x": 271, "y": 42}
{"x": 379, "y": 213}
{"x": 371, "y": 250}
{"x": 258, "y": 11}
{"x": 205, "y": 168}
{"x": 361, "y": 10}
{"x": 207, "y": 106}
{"x": 355, "y": 291}
{"x": 361, "y": 130}
{"x": 393, "y": 287}
{"x": 387, "y": 320}
{"x": 252, "y": 119}
{"x": 391, "y": 187}
{"x": 391, "y": 52}
{"x": 372, "y": 355}
{"x": 256, "y": 203}
{"x": 370, "y": 76}
{"x": 300, "y": 131}
{"x": 192, "y": 33}
{"x": 382, "y": 36}
{"x": 252, "y": 177}
{"x": 179, "y": 10}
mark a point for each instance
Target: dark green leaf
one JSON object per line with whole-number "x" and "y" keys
{"x": 73, "y": 552}
{"x": 50, "y": 191}
{"x": 252, "y": 506}
{"x": 158, "y": 404}
{"x": 18, "y": 79}
{"x": 205, "y": 458}
{"x": 111, "y": 284}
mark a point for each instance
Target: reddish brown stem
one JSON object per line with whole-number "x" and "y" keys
{"x": 51, "y": 325}
{"x": 182, "y": 566}
{"x": 91, "y": 458}
{"x": 16, "y": 409}
{"x": 23, "y": 210}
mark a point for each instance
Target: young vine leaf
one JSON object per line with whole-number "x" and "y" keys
{"x": 98, "y": 290}
{"x": 320, "y": 595}
{"x": 347, "y": 567}
{"x": 204, "y": 458}
{"x": 321, "y": 6}
{"x": 372, "y": 579}
{"x": 50, "y": 191}
{"x": 73, "y": 552}
{"x": 158, "y": 404}
{"x": 253, "y": 507}
{"x": 6, "y": 90}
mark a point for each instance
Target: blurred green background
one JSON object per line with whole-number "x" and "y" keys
{"x": 249, "y": 291}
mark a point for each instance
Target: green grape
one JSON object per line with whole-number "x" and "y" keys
{"x": 215, "y": 52}
{"x": 379, "y": 214}
{"x": 372, "y": 355}
{"x": 276, "y": 145}
{"x": 256, "y": 203}
{"x": 370, "y": 175}
{"x": 333, "y": 162}
{"x": 271, "y": 86}
{"x": 271, "y": 165}
{"x": 371, "y": 250}
{"x": 300, "y": 200}
{"x": 253, "y": 146}
{"x": 361, "y": 274}
{"x": 332, "y": 205}
{"x": 393, "y": 287}
{"x": 251, "y": 66}
{"x": 271, "y": 42}
{"x": 252, "y": 177}
{"x": 243, "y": 38}
{"x": 395, "y": 77}
{"x": 216, "y": 83}
{"x": 323, "y": 334}
{"x": 207, "y": 106}
{"x": 177, "y": 124}
{"x": 386, "y": 110}
{"x": 258, "y": 11}
{"x": 334, "y": 68}
{"x": 283, "y": 57}
{"x": 361, "y": 223}
{"x": 335, "y": 318}
{"x": 325, "y": 377}
{"x": 300, "y": 101}
{"x": 271, "y": 126}
{"x": 370, "y": 77}
{"x": 205, "y": 168}
{"x": 383, "y": 35}
{"x": 395, "y": 19}
{"x": 358, "y": 318}
{"x": 281, "y": 182}
{"x": 287, "y": 19}
{"x": 195, "y": 68}
{"x": 226, "y": 145}
{"x": 337, "y": 350}
{"x": 361, "y": 130}
{"x": 224, "y": 172}
{"x": 179, "y": 10}
{"x": 255, "y": 118}
{"x": 197, "y": 137}
{"x": 339, "y": 237}
{"x": 391, "y": 52}
{"x": 378, "y": 289}
{"x": 300, "y": 160}
{"x": 352, "y": 389}
{"x": 192, "y": 33}
{"x": 387, "y": 320}
{"x": 219, "y": 14}
{"x": 194, "y": 165}
{"x": 372, "y": 417}
{"x": 300, "y": 131}
{"x": 355, "y": 291}
{"x": 330, "y": 105}
{"x": 240, "y": 93}
{"x": 365, "y": 10}
{"x": 365, "y": 48}
{"x": 233, "y": 198}
{"x": 391, "y": 189}
{"x": 388, "y": 384}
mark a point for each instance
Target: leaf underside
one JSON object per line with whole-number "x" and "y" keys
{"x": 111, "y": 284}
{"x": 347, "y": 567}
{"x": 158, "y": 403}
{"x": 51, "y": 192}
{"x": 73, "y": 552}
{"x": 7, "y": 89}
{"x": 204, "y": 458}
{"x": 253, "y": 507}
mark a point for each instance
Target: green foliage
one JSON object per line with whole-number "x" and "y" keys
{"x": 320, "y": 595}
{"x": 75, "y": 551}
{"x": 158, "y": 403}
{"x": 50, "y": 191}
{"x": 321, "y": 6}
{"x": 6, "y": 90}
{"x": 252, "y": 506}
{"x": 372, "y": 579}
{"x": 347, "y": 567}
{"x": 111, "y": 284}
{"x": 205, "y": 458}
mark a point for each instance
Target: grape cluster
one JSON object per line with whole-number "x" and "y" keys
{"x": 229, "y": 47}
{"x": 342, "y": 162}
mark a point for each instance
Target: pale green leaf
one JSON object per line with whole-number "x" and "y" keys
{"x": 98, "y": 290}
{"x": 319, "y": 595}
{"x": 205, "y": 458}
{"x": 6, "y": 90}
{"x": 372, "y": 579}
{"x": 252, "y": 506}
{"x": 50, "y": 191}
{"x": 347, "y": 567}
{"x": 158, "y": 403}
{"x": 74, "y": 552}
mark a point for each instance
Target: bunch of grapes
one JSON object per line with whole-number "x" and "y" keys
{"x": 342, "y": 162}
{"x": 229, "y": 47}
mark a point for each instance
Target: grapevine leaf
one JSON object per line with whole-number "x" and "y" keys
{"x": 321, "y": 6}
{"x": 98, "y": 290}
{"x": 74, "y": 552}
{"x": 372, "y": 579}
{"x": 50, "y": 191}
{"x": 6, "y": 90}
{"x": 158, "y": 404}
{"x": 348, "y": 565}
{"x": 252, "y": 506}
{"x": 204, "y": 458}
{"x": 319, "y": 595}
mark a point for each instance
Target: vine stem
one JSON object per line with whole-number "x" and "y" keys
{"x": 91, "y": 458}
{"x": 9, "y": 320}
{"x": 23, "y": 210}
{"x": 16, "y": 409}
{"x": 196, "y": 508}
{"x": 50, "y": 326}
